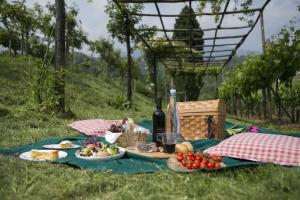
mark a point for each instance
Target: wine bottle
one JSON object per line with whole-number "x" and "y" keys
{"x": 158, "y": 123}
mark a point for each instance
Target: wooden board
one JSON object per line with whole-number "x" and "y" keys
{"x": 176, "y": 166}
{"x": 159, "y": 155}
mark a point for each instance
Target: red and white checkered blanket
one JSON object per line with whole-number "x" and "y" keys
{"x": 95, "y": 126}
{"x": 267, "y": 148}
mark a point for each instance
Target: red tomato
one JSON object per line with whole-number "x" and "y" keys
{"x": 217, "y": 165}
{"x": 179, "y": 158}
{"x": 191, "y": 157}
{"x": 196, "y": 165}
{"x": 179, "y": 154}
{"x": 197, "y": 161}
{"x": 190, "y": 165}
{"x": 185, "y": 155}
{"x": 184, "y": 163}
{"x": 191, "y": 154}
{"x": 199, "y": 158}
{"x": 202, "y": 165}
{"x": 210, "y": 165}
{"x": 218, "y": 158}
{"x": 205, "y": 161}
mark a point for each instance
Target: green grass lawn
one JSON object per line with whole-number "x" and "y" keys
{"x": 88, "y": 98}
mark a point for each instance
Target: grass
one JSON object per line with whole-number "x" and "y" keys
{"x": 283, "y": 127}
{"x": 89, "y": 98}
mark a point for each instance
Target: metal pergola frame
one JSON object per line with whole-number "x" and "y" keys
{"x": 179, "y": 57}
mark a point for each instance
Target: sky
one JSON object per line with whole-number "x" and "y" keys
{"x": 277, "y": 14}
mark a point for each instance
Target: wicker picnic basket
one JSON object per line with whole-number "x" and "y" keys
{"x": 194, "y": 117}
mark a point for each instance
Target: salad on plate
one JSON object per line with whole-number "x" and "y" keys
{"x": 94, "y": 149}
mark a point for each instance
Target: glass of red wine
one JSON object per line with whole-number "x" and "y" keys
{"x": 169, "y": 142}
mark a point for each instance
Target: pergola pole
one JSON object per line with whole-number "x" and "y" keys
{"x": 264, "y": 90}
{"x": 263, "y": 38}
{"x": 129, "y": 74}
{"x": 155, "y": 78}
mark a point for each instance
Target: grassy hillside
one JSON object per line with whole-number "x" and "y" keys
{"x": 88, "y": 98}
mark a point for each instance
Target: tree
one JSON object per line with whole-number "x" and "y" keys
{"x": 75, "y": 36}
{"x": 121, "y": 21}
{"x": 110, "y": 56}
{"x": 9, "y": 40}
{"x": 60, "y": 60}
{"x": 189, "y": 82}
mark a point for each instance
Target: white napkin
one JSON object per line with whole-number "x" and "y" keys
{"x": 111, "y": 137}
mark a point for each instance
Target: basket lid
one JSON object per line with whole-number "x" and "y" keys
{"x": 217, "y": 105}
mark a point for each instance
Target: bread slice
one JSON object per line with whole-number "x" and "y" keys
{"x": 66, "y": 144}
{"x": 47, "y": 155}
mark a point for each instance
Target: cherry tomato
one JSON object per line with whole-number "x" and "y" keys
{"x": 179, "y": 154}
{"x": 217, "y": 165}
{"x": 202, "y": 165}
{"x": 205, "y": 161}
{"x": 210, "y": 165}
{"x": 190, "y": 165}
{"x": 199, "y": 158}
{"x": 218, "y": 158}
{"x": 197, "y": 161}
{"x": 191, "y": 157}
{"x": 191, "y": 154}
{"x": 179, "y": 158}
{"x": 196, "y": 165}
{"x": 184, "y": 163}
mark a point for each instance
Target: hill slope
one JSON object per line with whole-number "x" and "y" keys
{"x": 88, "y": 97}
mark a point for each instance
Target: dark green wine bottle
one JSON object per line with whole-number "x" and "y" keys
{"x": 158, "y": 123}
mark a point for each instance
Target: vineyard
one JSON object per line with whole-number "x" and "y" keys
{"x": 266, "y": 86}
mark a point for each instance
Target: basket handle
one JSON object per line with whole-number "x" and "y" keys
{"x": 210, "y": 120}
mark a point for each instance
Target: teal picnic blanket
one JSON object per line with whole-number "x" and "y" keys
{"x": 130, "y": 163}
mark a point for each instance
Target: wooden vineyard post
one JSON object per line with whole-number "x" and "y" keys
{"x": 155, "y": 78}
{"x": 129, "y": 71}
{"x": 60, "y": 59}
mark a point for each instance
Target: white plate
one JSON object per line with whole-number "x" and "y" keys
{"x": 27, "y": 155}
{"x": 118, "y": 156}
{"x": 111, "y": 137}
{"x": 57, "y": 146}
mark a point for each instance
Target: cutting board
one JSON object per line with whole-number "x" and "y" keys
{"x": 176, "y": 166}
{"x": 159, "y": 155}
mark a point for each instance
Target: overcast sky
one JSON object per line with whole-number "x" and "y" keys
{"x": 276, "y": 15}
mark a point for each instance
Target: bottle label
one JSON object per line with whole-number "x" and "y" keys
{"x": 159, "y": 136}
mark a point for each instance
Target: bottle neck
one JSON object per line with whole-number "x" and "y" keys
{"x": 158, "y": 103}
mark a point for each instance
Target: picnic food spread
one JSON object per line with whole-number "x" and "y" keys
{"x": 47, "y": 155}
{"x": 166, "y": 146}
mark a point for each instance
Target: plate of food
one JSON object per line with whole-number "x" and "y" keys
{"x": 42, "y": 155}
{"x": 95, "y": 150}
{"x": 65, "y": 144}
{"x": 195, "y": 161}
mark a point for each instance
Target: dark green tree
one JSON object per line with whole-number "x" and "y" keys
{"x": 188, "y": 82}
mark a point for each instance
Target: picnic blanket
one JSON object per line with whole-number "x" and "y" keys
{"x": 130, "y": 163}
{"x": 95, "y": 126}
